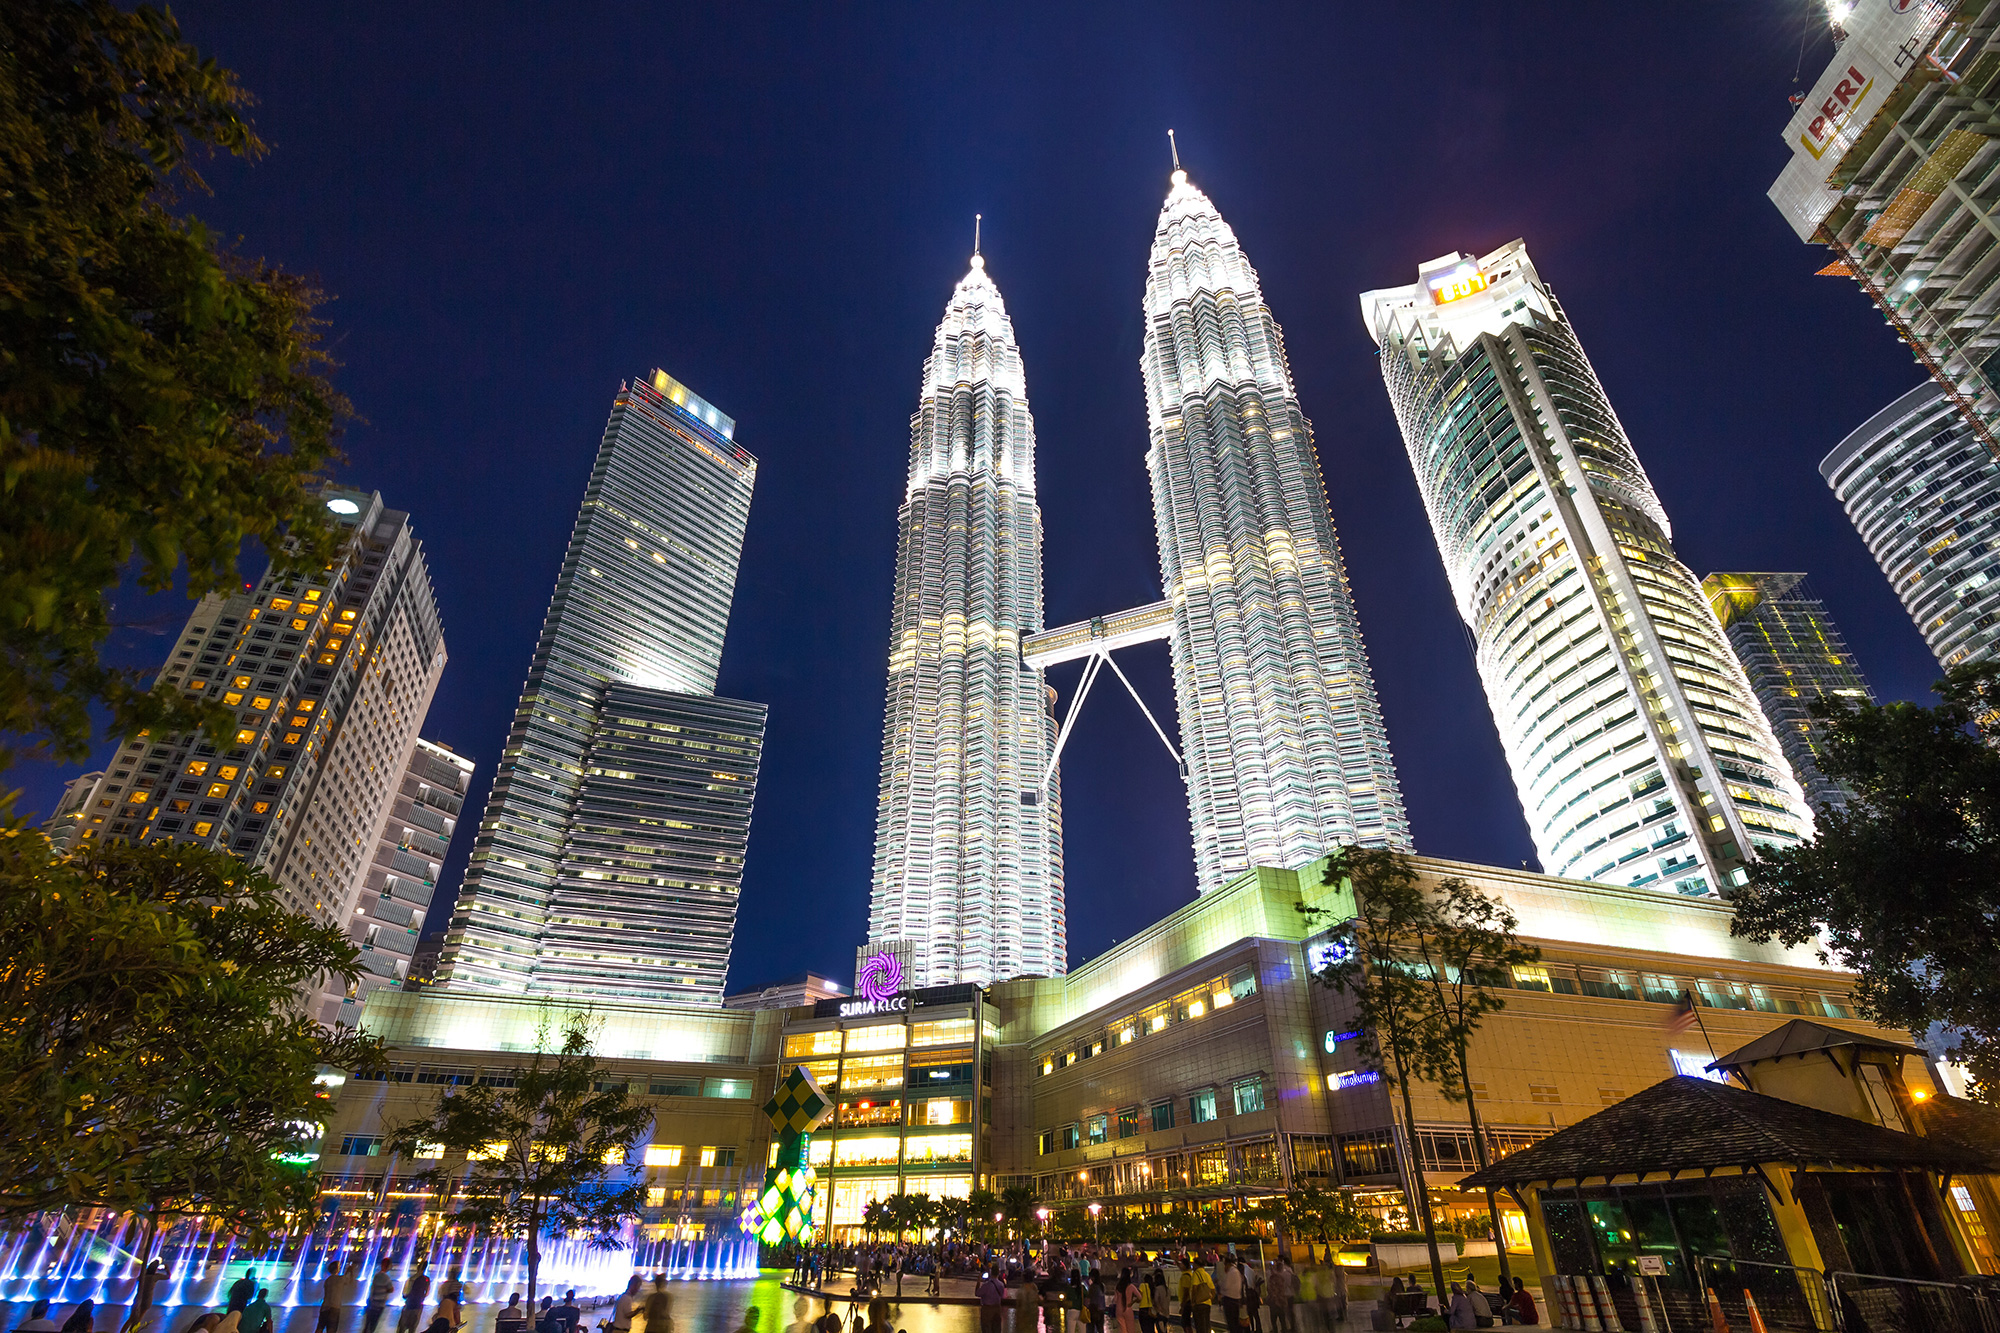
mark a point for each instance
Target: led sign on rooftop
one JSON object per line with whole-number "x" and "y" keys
{"x": 1456, "y": 284}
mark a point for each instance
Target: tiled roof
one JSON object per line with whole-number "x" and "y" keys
{"x": 1686, "y": 1124}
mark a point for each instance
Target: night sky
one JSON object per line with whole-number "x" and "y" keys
{"x": 517, "y": 207}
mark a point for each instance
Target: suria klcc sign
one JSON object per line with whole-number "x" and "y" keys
{"x": 880, "y": 983}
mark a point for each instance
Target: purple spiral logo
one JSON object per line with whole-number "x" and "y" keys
{"x": 881, "y": 977}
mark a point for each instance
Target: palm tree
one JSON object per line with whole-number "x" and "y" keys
{"x": 980, "y": 1206}
{"x": 1018, "y": 1203}
{"x": 876, "y": 1216}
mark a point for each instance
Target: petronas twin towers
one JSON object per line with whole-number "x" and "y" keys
{"x": 1282, "y": 739}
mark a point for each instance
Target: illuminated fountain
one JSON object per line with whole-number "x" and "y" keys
{"x": 67, "y": 1264}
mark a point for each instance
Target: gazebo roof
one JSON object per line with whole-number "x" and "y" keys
{"x": 1802, "y": 1036}
{"x": 1691, "y": 1124}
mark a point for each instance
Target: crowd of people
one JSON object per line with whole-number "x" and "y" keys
{"x": 1084, "y": 1290}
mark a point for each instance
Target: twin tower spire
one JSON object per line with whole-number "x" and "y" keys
{"x": 1284, "y": 748}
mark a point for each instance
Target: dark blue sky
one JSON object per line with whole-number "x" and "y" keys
{"x": 517, "y": 206}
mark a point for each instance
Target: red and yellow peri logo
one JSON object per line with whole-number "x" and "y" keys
{"x": 1835, "y": 111}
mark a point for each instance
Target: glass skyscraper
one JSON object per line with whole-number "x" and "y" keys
{"x": 1281, "y": 731}
{"x": 1924, "y": 494}
{"x": 1793, "y": 653}
{"x": 610, "y": 856}
{"x": 1638, "y": 749}
{"x": 968, "y": 883}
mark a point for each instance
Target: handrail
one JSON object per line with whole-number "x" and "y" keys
{"x": 1824, "y": 1306}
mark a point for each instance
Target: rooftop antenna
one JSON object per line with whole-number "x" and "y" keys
{"x": 978, "y": 260}
{"x": 1175, "y": 149}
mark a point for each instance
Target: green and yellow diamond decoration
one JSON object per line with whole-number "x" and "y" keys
{"x": 786, "y": 1206}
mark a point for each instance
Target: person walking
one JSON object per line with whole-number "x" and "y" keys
{"x": 415, "y": 1291}
{"x": 380, "y": 1288}
{"x": 660, "y": 1307}
{"x": 1230, "y": 1288}
{"x": 992, "y": 1292}
{"x": 1253, "y": 1297}
{"x": 1201, "y": 1301}
{"x": 1282, "y": 1290}
{"x": 1128, "y": 1302}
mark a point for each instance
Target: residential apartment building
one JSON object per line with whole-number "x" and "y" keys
{"x": 388, "y": 920}
{"x": 330, "y": 674}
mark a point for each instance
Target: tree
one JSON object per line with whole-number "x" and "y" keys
{"x": 875, "y": 1217}
{"x": 1018, "y": 1204}
{"x": 1314, "y": 1210}
{"x": 1903, "y": 887}
{"x": 980, "y": 1207}
{"x": 153, "y": 1056}
{"x": 1471, "y": 952}
{"x": 1373, "y": 964}
{"x": 162, "y": 400}
{"x": 535, "y": 1159}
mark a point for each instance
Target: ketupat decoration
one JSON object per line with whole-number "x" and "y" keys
{"x": 790, "y": 1192}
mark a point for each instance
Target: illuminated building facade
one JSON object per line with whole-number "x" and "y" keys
{"x": 389, "y": 911}
{"x": 610, "y": 855}
{"x": 1892, "y": 170}
{"x": 968, "y": 882}
{"x": 1281, "y": 734}
{"x": 330, "y": 675}
{"x": 1924, "y": 494}
{"x": 1636, "y": 744}
{"x": 1793, "y": 654}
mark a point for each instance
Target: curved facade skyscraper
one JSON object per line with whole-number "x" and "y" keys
{"x": 1925, "y": 495}
{"x": 968, "y": 883}
{"x": 1640, "y": 753}
{"x": 1281, "y": 731}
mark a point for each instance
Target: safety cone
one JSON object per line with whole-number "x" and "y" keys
{"x": 1607, "y": 1308}
{"x": 1587, "y": 1306}
{"x": 1718, "y": 1320}
{"x": 1647, "y": 1324}
{"x": 1566, "y": 1299}
{"x": 1756, "y": 1316}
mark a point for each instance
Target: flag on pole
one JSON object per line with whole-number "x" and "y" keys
{"x": 1683, "y": 1016}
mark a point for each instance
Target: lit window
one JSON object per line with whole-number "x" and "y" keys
{"x": 306, "y": 705}
{"x": 218, "y": 789}
{"x": 807, "y": 1044}
{"x": 137, "y": 798}
{"x": 877, "y": 1037}
{"x": 708, "y": 1157}
{"x": 347, "y": 615}
{"x": 201, "y": 830}
{"x": 298, "y": 624}
{"x": 281, "y": 603}
{"x": 232, "y": 698}
{"x": 663, "y": 1154}
{"x": 614, "y": 1157}
{"x": 198, "y": 767}
{"x": 226, "y": 772}
{"x": 291, "y": 738}
{"x": 244, "y": 736}
{"x": 428, "y": 1152}
{"x": 312, "y": 595}
{"x": 656, "y": 1197}
{"x": 261, "y": 807}
{"x": 241, "y": 682}
{"x": 261, "y": 702}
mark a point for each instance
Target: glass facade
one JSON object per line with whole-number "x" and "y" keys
{"x": 913, "y": 1098}
{"x": 1924, "y": 494}
{"x": 1285, "y": 752}
{"x": 610, "y": 854}
{"x": 968, "y": 881}
{"x": 1894, "y": 172}
{"x": 1638, "y": 749}
{"x": 1793, "y": 653}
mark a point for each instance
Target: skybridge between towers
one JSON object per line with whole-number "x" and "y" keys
{"x": 1093, "y": 641}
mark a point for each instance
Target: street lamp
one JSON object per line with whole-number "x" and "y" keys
{"x": 998, "y": 1233}
{"x": 1095, "y": 1209}
{"x": 1043, "y": 1213}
